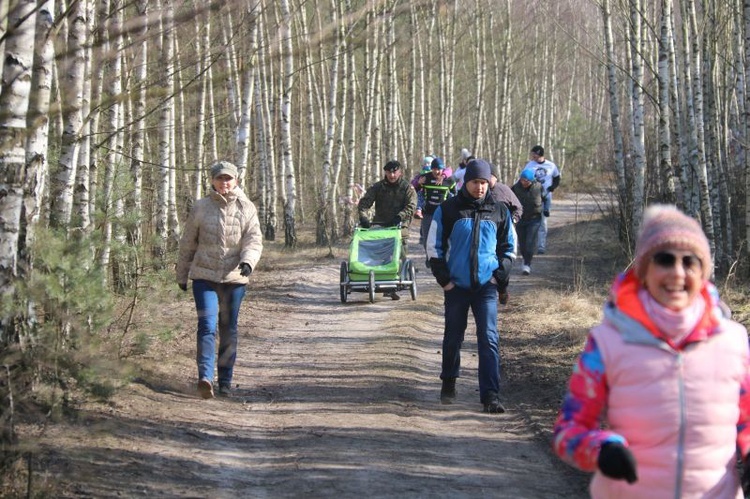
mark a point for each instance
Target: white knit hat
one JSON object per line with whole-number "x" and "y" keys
{"x": 465, "y": 154}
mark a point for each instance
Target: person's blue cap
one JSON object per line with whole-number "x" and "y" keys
{"x": 437, "y": 163}
{"x": 528, "y": 175}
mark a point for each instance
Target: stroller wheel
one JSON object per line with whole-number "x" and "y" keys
{"x": 372, "y": 286}
{"x": 344, "y": 286}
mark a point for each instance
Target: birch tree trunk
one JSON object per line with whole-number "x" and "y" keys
{"x": 82, "y": 208}
{"x": 72, "y": 94}
{"x": 37, "y": 122}
{"x": 614, "y": 114}
{"x": 290, "y": 232}
{"x": 638, "y": 125}
{"x": 248, "y": 90}
{"x": 113, "y": 156}
{"x": 325, "y": 217}
{"x": 161, "y": 222}
{"x": 665, "y": 125}
{"x": 14, "y": 105}
{"x": 699, "y": 134}
{"x": 139, "y": 125}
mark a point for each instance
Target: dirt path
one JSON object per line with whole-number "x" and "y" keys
{"x": 334, "y": 400}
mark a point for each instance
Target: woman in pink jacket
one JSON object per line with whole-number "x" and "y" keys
{"x": 668, "y": 370}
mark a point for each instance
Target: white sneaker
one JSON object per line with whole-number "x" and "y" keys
{"x": 526, "y": 270}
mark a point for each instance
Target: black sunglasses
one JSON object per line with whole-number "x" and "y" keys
{"x": 668, "y": 260}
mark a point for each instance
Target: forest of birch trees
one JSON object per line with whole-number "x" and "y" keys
{"x": 112, "y": 111}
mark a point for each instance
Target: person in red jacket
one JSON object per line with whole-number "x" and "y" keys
{"x": 667, "y": 370}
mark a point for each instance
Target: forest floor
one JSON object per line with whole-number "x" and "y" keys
{"x": 342, "y": 400}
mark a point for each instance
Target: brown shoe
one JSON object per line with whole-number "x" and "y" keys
{"x": 503, "y": 296}
{"x": 205, "y": 389}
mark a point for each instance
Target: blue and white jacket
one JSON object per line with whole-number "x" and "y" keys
{"x": 470, "y": 240}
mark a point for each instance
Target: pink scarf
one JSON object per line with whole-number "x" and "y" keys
{"x": 674, "y": 324}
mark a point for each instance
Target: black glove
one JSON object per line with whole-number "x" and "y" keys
{"x": 183, "y": 286}
{"x": 245, "y": 269}
{"x": 546, "y": 213}
{"x": 746, "y": 476}
{"x": 502, "y": 273}
{"x": 616, "y": 461}
{"x": 396, "y": 221}
{"x": 364, "y": 223}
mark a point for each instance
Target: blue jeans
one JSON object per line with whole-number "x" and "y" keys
{"x": 217, "y": 303}
{"x": 483, "y": 304}
{"x": 528, "y": 238}
{"x": 546, "y": 205}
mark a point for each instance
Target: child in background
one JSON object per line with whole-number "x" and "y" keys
{"x": 426, "y": 162}
{"x": 668, "y": 369}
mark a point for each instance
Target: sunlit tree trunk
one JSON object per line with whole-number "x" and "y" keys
{"x": 324, "y": 218}
{"x": 290, "y": 192}
{"x": 614, "y": 111}
{"x": 14, "y": 104}
{"x": 161, "y": 222}
{"x": 139, "y": 125}
{"x": 72, "y": 93}
{"x": 699, "y": 135}
{"x": 113, "y": 155}
{"x": 37, "y": 142}
{"x": 638, "y": 113}
{"x": 665, "y": 123}
{"x": 82, "y": 209}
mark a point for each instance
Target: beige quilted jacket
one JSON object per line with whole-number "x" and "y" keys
{"x": 220, "y": 233}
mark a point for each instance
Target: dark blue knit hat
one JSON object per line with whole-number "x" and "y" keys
{"x": 477, "y": 168}
{"x": 437, "y": 163}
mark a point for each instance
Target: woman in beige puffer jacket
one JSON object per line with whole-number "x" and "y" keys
{"x": 219, "y": 248}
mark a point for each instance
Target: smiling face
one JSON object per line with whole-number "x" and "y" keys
{"x": 223, "y": 183}
{"x": 674, "y": 278}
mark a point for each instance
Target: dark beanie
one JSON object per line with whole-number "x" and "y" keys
{"x": 477, "y": 168}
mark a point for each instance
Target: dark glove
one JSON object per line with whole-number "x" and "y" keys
{"x": 546, "y": 213}
{"x": 502, "y": 273}
{"x": 364, "y": 223}
{"x": 245, "y": 269}
{"x": 616, "y": 461}
{"x": 550, "y": 189}
{"x": 183, "y": 286}
{"x": 746, "y": 476}
{"x": 396, "y": 221}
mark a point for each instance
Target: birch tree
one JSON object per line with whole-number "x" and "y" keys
{"x": 71, "y": 85}
{"x": 14, "y": 105}
{"x": 290, "y": 232}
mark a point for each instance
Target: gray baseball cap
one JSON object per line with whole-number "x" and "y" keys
{"x": 223, "y": 168}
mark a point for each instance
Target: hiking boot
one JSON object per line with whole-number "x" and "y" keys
{"x": 427, "y": 263}
{"x": 492, "y": 404}
{"x": 541, "y": 251}
{"x": 225, "y": 390}
{"x": 448, "y": 391}
{"x": 205, "y": 389}
{"x": 502, "y": 297}
{"x": 526, "y": 269}
{"x": 392, "y": 295}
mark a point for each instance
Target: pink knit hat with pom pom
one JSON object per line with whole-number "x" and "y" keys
{"x": 665, "y": 227}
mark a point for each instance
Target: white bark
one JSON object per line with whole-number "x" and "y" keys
{"x": 72, "y": 94}
{"x": 14, "y": 101}
{"x": 290, "y": 194}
